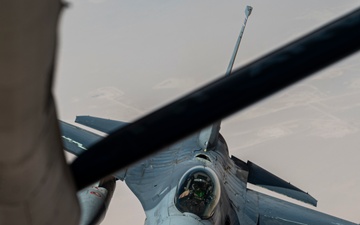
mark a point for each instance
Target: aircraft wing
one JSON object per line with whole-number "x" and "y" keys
{"x": 77, "y": 140}
{"x": 100, "y": 124}
{"x": 255, "y": 208}
{"x": 270, "y": 210}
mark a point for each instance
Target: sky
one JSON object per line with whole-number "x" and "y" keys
{"x": 123, "y": 59}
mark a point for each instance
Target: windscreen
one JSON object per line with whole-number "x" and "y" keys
{"x": 198, "y": 192}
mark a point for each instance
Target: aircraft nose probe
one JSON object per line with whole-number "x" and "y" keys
{"x": 248, "y": 11}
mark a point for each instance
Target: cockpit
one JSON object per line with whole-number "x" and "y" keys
{"x": 198, "y": 192}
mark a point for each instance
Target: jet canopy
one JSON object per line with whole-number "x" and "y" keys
{"x": 198, "y": 192}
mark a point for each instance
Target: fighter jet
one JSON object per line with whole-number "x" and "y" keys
{"x": 195, "y": 181}
{"x": 36, "y": 183}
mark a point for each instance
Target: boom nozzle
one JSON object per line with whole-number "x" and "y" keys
{"x": 248, "y": 10}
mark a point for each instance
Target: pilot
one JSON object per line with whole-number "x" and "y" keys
{"x": 199, "y": 190}
{"x": 195, "y": 198}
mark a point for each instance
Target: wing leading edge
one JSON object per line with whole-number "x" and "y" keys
{"x": 77, "y": 140}
{"x": 100, "y": 124}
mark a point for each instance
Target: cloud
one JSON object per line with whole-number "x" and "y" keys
{"x": 273, "y": 132}
{"x": 330, "y": 73}
{"x": 355, "y": 84}
{"x": 114, "y": 97}
{"x": 175, "y": 83}
{"x": 330, "y": 128}
{"x": 110, "y": 93}
{"x": 318, "y": 15}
